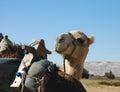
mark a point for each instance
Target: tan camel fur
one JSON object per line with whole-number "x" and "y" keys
{"x": 74, "y": 47}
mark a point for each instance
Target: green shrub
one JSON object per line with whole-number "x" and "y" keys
{"x": 85, "y": 74}
{"x": 109, "y": 83}
{"x": 109, "y": 75}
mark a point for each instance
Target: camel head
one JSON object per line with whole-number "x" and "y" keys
{"x": 5, "y": 44}
{"x": 73, "y": 44}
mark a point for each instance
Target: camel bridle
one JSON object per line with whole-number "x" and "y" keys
{"x": 74, "y": 42}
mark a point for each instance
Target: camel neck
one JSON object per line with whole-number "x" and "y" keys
{"x": 74, "y": 68}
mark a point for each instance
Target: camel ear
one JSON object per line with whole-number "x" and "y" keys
{"x": 91, "y": 39}
{"x": 6, "y": 37}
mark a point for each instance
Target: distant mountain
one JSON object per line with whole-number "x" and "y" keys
{"x": 100, "y": 68}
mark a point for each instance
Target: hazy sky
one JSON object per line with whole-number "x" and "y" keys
{"x": 24, "y": 20}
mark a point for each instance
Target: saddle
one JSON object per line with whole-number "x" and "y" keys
{"x": 35, "y": 51}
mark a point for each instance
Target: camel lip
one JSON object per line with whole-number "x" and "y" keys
{"x": 61, "y": 51}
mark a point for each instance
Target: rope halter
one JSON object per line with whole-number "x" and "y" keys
{"x": 74, "y": 42}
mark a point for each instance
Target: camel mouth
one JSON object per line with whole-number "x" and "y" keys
{"x": 60, "y": 51}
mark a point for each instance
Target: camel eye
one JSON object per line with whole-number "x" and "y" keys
{"x": 61, "y": 40}
{"x": 80, "y": 40}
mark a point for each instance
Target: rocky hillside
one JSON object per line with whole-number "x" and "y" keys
{"x": 99, "y": 68}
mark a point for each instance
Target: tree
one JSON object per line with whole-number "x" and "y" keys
{"x": 109, "y": 75}
{"x": 85, "y": 74}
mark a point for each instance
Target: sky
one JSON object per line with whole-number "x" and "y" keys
{"x": 25, "y": 20}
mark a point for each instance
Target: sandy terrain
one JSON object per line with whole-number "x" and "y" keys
{"x": 103, "y": 89}
{"x": 92, "y": 85}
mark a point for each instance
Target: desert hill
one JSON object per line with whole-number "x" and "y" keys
{"x": 100, "y": 68}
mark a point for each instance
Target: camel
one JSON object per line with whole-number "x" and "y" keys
{"x": 8, "y": 49}
{"x": 57, "y": 81}
{"x": 53, "y": 80}
{"x": 74, "y": 47}
{"x": 10, "y": 58}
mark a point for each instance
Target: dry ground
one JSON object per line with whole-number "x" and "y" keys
{"x": 94, "y": 86}
{"x": 103, "y": 89}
